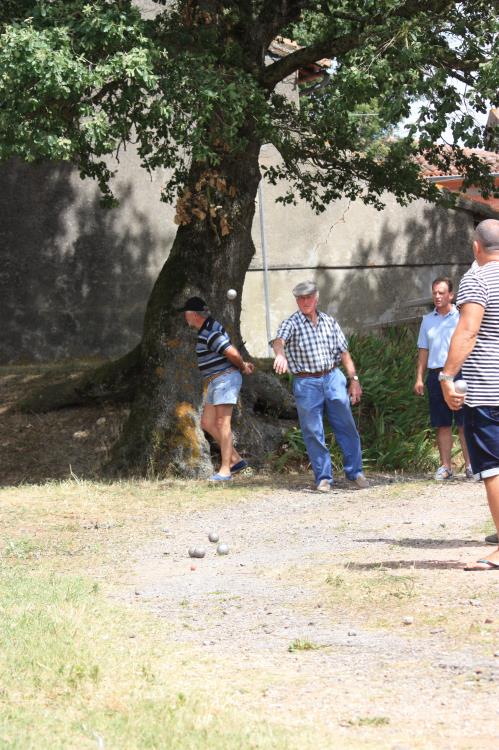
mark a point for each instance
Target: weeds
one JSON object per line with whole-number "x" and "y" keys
{"x": 393, "y": 422}
{"x": 303, "y": 645}
{"x": 369, "y": 721}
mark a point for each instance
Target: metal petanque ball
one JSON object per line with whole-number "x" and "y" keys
{"x": 223, "y": 549}
{"x": 231, "y": 294}
{"x": 461, "y": 386}
{"x": 213, "y": 536}
{"x": 197, "y": 552}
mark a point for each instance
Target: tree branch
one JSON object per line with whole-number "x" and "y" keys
{"x": 335, "y": 46}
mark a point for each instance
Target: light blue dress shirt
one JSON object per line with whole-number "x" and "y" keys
{"x": 435, "y": 334}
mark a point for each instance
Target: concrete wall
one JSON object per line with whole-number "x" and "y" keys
{"x": 75, "y": 278}
{"x": 367, "y": 263}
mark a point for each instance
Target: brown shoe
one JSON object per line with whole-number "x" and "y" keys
{"x": 359, "y": 483}
{"x": 324, "y": 485}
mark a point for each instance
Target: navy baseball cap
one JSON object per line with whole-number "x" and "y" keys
{"x": 194, "y": 304}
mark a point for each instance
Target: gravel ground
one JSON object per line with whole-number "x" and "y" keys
{"x": 398, "y": 672}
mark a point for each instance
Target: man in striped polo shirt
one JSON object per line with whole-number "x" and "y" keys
{"x": 311, "y": 345}
{"x": 475, "y": 347}
{"x": 221, "y": 366}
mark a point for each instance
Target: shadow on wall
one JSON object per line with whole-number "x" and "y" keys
{"x": 437, "y": 244}
{"x": 74, "y": 277}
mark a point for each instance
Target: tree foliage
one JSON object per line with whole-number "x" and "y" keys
{"x": 188, "y": 83}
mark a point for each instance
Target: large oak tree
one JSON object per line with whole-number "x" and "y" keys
{"x": 192, "y": 85}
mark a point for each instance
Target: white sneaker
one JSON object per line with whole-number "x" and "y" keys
{"x": 443, "y": 473}
{"x": 324, "y": 485}
{"x": 360, "y": 482}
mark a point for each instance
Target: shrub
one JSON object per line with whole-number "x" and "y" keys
{"x": 393, "y": 422}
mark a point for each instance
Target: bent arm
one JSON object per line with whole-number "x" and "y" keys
{"x": 420, "y": 371}
{"x": 464, "y": 337}
{"x": 234, "y": 357}
{"x": 461, "y": 345}
{"x": 280, "y": 361}
{"x": 354, "y": 388}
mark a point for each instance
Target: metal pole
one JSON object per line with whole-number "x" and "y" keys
{"x": 265, "y": 265}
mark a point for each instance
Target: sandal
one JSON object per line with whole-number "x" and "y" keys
{"x": 483, "y": 565}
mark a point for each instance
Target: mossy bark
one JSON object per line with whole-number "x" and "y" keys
{"x": 211, "y": 253}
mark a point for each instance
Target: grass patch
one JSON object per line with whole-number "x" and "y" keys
{"x": 365, "y": 588}
{"x": 73, "y": 676}
{"x": 302, "y": 644}
{"x": 81, "y": 672}
{"x": 368, "y": 721}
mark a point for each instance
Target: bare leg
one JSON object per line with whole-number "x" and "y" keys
{"x": 212, "y": 419}
{"x": 464, "y": 447}
{"x": 224, "y": 416}
{"x": 492, "y": 490}
{"x": 444, "y": 443}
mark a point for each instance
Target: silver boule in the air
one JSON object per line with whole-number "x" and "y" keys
{"x": 231, "y": 294}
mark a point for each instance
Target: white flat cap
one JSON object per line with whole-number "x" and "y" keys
{"x": 305, "y": 287}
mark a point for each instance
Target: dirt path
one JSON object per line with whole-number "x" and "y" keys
{"x": 349, "y": 611}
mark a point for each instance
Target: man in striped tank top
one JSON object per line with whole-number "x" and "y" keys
{"x": 475, "y": 348}
{"x": 221, "y": 366}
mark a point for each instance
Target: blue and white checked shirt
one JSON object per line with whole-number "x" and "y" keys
{"x": 312, "y": 348}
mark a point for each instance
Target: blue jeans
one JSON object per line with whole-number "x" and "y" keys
{"x": 328, "y": 394}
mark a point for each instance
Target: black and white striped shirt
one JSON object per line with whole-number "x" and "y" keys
{"x": 480, "y": 285}
{"x": 312, "y": 348}
{"x": 212, "y": 341}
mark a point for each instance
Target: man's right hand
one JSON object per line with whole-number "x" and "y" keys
{"x": 280, "y": 364}
{"x": 248, "y": 368}
{"x": 419, "y": 388}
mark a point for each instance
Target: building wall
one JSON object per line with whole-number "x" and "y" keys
{"x": 75, "y": 278}
{"x": 368, "y": 264}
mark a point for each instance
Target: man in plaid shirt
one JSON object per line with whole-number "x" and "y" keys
{"x": 311, "y": 345}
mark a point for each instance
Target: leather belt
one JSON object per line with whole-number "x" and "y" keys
{"x": 312, "y": 374}
{"x": 217, "y": 375}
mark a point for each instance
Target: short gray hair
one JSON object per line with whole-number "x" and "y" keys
{"x": 304, "y": 287}
{"x": 487, "y": 234}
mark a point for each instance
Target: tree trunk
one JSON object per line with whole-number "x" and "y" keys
{"x": 211, "y": 254}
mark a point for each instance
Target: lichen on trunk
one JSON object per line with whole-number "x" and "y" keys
{"x": 211, "y": 253}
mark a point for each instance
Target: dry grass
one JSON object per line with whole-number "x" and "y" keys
{"x": 80, "y": 672}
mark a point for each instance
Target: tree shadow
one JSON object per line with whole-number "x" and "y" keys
{"x": 408, "y": 565}
{"x": 426, "y": 543}
{"x": 75, "y": 277}
{"x": 395, "y": 266}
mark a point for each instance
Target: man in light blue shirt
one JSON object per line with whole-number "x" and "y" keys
{"x": 434, "y": 338}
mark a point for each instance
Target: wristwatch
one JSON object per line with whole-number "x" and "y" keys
{"x": 354, "y": 377}
{"x": 442, "y": 376}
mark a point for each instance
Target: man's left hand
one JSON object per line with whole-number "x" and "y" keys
{"x": 355, "y": 392}
{"x": 453, "y": 400}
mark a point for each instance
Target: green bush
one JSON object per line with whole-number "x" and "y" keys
{"x": 393, "y": 423}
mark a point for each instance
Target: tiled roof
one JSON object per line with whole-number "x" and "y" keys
{"x": 281, "y": 47}
{"x": 430, "y": 170}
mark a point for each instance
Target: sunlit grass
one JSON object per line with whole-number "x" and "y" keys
{"x": 77, "y": 672}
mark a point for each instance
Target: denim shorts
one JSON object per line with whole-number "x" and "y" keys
{"x": 481, "y": 430}
{"x": 440, "y": 414}
{"x": 224, "y": 389}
